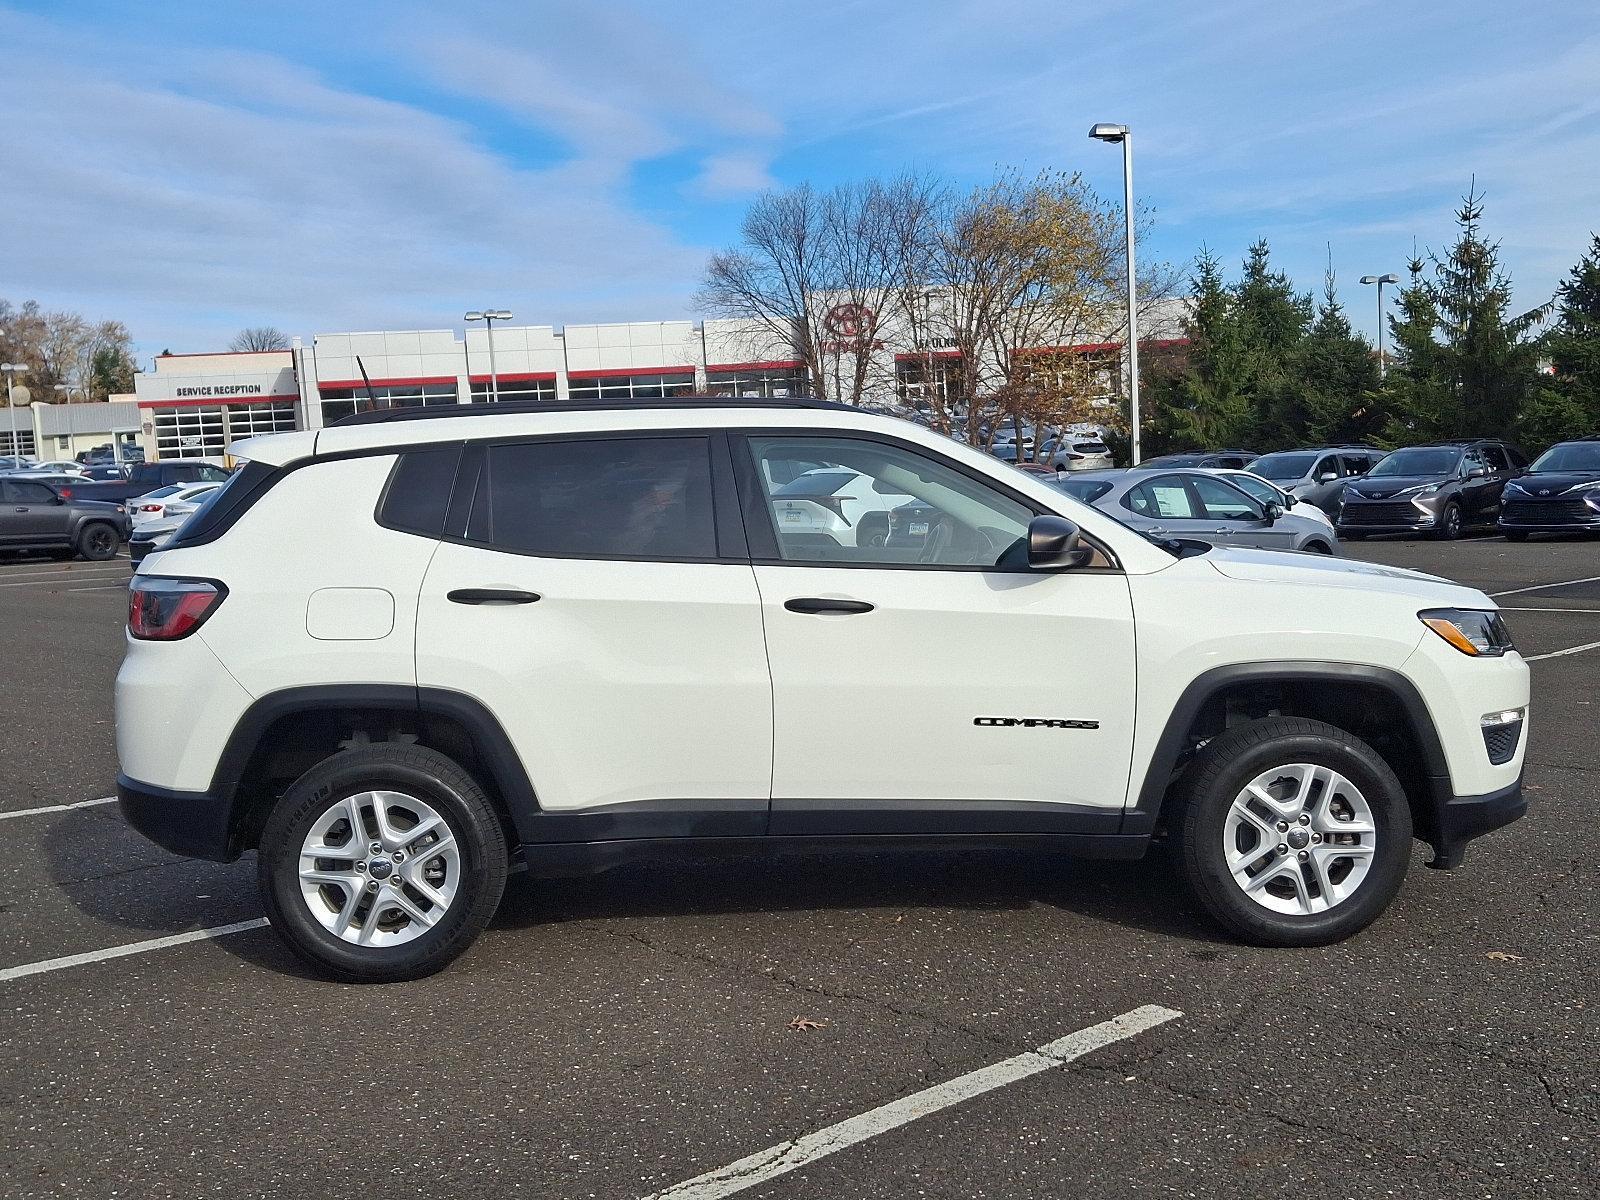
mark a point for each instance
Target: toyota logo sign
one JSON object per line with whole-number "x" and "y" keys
{"x": 849, "y": 320}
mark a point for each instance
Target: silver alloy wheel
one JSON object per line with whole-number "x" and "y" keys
{"x": 379, "y": 868}
{"x": 1299, "y": 839}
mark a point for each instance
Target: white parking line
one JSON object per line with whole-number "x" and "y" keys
{"x": 50, "y": 808}
{"x": 65, "y": 578}
{"x": 103, "y": 587}
{"x": 1562, "y": 653}
{"x": 1539, "y": 587}
{"x": 1589, "y": 611}
{"x": 791, "y": 1156}
{"x": 94, "y": 956}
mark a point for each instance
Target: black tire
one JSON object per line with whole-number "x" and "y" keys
{"x": 1449, "y": 527}
{"x": 1351, "y": 535}
{"x": 1219, "y": 774}
{"x": 430, "y": 777}
{"x": 97, "y": 541}
{"x": 1317, "y": 548}
{"x": 1514, "y": 535}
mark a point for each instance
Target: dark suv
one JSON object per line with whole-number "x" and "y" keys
{"x": 1231, "y": 460}
{"x": 1438, "y": 489}
{"x": 37, "y": 516}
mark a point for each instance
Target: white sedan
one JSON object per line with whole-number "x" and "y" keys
{"x": 174, "y": 500}
{"x": 835, "y": 504}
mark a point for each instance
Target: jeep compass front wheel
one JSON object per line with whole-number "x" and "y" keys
{"x": 1292, "y": 832}
{"x": 382, "y": 863}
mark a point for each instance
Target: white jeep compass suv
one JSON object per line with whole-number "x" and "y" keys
{"x": 399, "y": 655}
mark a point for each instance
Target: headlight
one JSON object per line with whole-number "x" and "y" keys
{"x": 1422, "y": 489}
{"x": 1474, "y": 632}
{"x": 1516, "y": 487}
{"x": 1581, "y": 487}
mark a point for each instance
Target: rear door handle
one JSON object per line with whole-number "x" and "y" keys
{"x": 491, "y": 596}
{"x": 823, "y": 604}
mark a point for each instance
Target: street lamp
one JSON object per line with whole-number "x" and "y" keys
{"x": 72, "y": 416}
{"x": 11, "y": 370}
{"x": 489, "y": 316}
{"x": 1120, "y": 133}
{"x": 1380, "y": 280}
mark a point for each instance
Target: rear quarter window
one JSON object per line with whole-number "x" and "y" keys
{"x": 418, "y": 492}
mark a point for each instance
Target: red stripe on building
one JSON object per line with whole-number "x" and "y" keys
{"x": 517, "y": 377}
{"x": 215, "y": 401}
{"x": 619, "y": 372}
{"x": 777, "y": 364}
{"x": 361, "y": 383}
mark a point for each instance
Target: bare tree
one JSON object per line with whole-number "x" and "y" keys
{"x": 259, "y": 337}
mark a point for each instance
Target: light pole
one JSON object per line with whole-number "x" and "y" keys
{"x": 489, "y": 316}
{"x": 1121, "y": 133}
{"x": 1380, "y": 280}
{"x": 72, "y": 417}
{"x": 11, "y": 370}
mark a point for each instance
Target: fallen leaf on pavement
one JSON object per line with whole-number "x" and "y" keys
{"x": 804, "y": 1023}
{"x": 1502, "y": 956}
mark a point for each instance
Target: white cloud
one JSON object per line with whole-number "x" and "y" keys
{"x": 732, "y": 176}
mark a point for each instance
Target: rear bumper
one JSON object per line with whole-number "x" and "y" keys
{"x": 194, "y": 824}
{"x": 1460, "y": 819}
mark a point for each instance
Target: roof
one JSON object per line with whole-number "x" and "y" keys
{"x": 384, "y": 415}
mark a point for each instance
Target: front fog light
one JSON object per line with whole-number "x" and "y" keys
{"x": 1508, "y": 716}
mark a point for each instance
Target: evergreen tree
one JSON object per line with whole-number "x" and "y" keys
{"x": 1567, "y": 403}
{"x": 1420, "y": 398}
{"x": 1338, "y": 376}
{"x": 1203, "y": 404}
{"x": 1272, "y": 319}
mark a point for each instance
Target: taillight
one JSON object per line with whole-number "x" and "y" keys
{"x": 150, "y": 508}
{"x": 163, "y": 610}
{"x": 66, "y": 493}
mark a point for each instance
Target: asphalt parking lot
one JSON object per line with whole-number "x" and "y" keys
{"x": 622, "y": 1035}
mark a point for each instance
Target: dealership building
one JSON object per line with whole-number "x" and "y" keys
{"x": 198, "y": 405}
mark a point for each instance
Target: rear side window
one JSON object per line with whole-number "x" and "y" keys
{"x": 1496, "y": 458}
{"x": 419, "y": 490}
{"x": 31, "y": 493}
{"x": 642, "y": 498}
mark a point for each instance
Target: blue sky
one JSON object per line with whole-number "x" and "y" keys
{"x": 190, "y": 168}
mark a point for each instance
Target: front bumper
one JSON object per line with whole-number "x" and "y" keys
{"x": 1460, "y": 819}
{"x": 194, "y": 824}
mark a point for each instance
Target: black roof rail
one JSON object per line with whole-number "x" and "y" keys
{"x": 379, "y": 416}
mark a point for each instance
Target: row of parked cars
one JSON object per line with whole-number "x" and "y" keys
{"x": 67, "y": 513}
{"x": 1305, "y": 498}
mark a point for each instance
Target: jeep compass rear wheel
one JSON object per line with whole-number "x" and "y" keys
{"x": 382, "y": 863}
{"x": 1292, "y": 832}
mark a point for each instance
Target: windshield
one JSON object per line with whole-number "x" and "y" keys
{"x": 1569, "y": 456}
{"x": 1283, "y": 466}
{"x": 1419, "y": 460}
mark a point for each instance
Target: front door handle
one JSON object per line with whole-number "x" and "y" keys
{"x": 823, "y": 604}
{"x": 491, "y": 596}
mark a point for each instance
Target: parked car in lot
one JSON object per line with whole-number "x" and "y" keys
{"x": 174, "y": 500}
{"x": 100, "y": 472}
{"x": 1234, "y": 459}
{"x": 1077, "y": 452}
{"x": 1199, "y": 505}
{"x": 566, "y": 636}
{"x": 1270, "y": 493}
{"x": 16, "y": 462}
{"x": 836, "y": 506}
{"x": 151, "y": 536}
{"x": 36, "y": 516}
{"x": 1439, "y": 489}
{"x": 146, "y": 477}
{"x": 1559, "y": 493}
{"x": 59, "y": 466}
{"x": 1317, "y": 474}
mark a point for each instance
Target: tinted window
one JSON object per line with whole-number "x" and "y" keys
{"x": 1496, "y": 458}
{"x": 1223, "y": 502}
{"x": 605, "y": 498}
{"x": 1163, "y": 498}
{"x": 419, "y": 489}
{"x": 1356, "y": 464}
{"x": 1328, "y": 464}
{"x": 1285, "y": 466}
{"x": 32, "y": 493}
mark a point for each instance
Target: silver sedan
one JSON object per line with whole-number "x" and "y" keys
{"x": 1197, "y": 505}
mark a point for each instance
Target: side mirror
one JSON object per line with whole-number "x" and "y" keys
{"x": 1327, "y": 476}
{"x": 1274, "y": 511}
{"x": 1476, "y": 472}
{"x": 1053, "y": 545}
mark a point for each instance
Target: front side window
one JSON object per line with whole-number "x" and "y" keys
{"x": 1328, "y": 465}
{"x": 1261, "y": 490}
{"x": 641, "y": 498}
{"x": 891, "y": 507}
{"x": 1223, "y": 502}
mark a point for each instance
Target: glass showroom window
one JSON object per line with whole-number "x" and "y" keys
{"x": 341, "y": 402}
{"x": 633, "y": 387}
{"x": 19, "y": 441}
{"x": 252, "y": 420}
{"x": 515, "y": 389}
{"x": 918, "y": 379}
{"x": 199, "y": 432}
{"x": 760, "y": 382}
